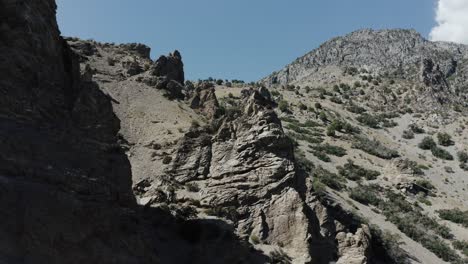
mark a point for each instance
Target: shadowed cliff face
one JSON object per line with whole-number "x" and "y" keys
{"x": 60, "y": 170}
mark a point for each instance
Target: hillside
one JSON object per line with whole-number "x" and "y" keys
{"x": 365, "y": 102}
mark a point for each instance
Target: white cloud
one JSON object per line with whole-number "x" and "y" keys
{"x": 452, "y": 21}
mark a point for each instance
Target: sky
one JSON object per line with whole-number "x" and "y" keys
{"x": 249, "y": 39}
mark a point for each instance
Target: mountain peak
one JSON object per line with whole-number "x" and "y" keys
{"x": 379, "y": 51}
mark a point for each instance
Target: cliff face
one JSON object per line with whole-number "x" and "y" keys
{"x": 61, "y": 175}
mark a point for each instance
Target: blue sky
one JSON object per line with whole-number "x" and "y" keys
{"x": 236, "y": 39}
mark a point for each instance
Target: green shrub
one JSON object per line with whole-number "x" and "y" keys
{"x": 462, "y": 246}
{"x": 408, "y": 134}
{"x": 275, "y": 93}
{"x": 353, "y": 108}
{"x": 441, "y": 153}
{"x": 464, "y": 166}
{"x": 369, "y": 120}
{"x": 354, "y": 172}
{"x": 318, "y": 106}
{"x": 318, "y": 187}
{"x": 316, "y": 139}
{"x": 331, "y": 131}
{"x": 302, "y": 107}
{"x": 343, "y": 127}
{"x": 283, "y": 106}
{"x": 321, "y": 155}
{"x": 330, "y": 179}
{"x": 310, "y": 123}
{"x": 416, "y": 129}
{"x": 336, "y": 100}
{"x": 330, "y": 149}
{"x": 444, "y": 139}
{"x": 462, "y": 156}
{"x": 389, "y": 123}
{"x": 336, "y": 89}
{"x": 296, "y": 128}
{"x": 374, "y": 147}
{"x": 425, "y": 184}
{"x": 323, "y": 117}
{"x": 412, "y": 166}
{"x": 455, "y": 215}
{"x": 440, "y": 248}
{"x": 427, "y": 143}
{"x": 365, "y": 194}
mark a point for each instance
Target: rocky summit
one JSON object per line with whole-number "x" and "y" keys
{"x": 355, "y": 153}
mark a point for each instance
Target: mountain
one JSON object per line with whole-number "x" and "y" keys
{"x": 390, "y": 52}
{"x": 109, "y": 156}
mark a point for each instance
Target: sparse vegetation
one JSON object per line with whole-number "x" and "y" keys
{"x": 374, "y": 147}
{"x": 330, "y": 149}
{"x": 283, "y": 106}
{"x": 455, "y": 215}
{"x": 341, "y": 126}
{"x": 377, "y": 121}
{"x": 409, "y": 219}
{"x": 365, "y": 194}
{"x": 353, "y": 108}
{"x": 408, "y": 134}
{"x": 444, "y": 139}
{"x": 355, "y": 172}
{"x": 427, "y": 143}
{"x": 329, "y": 179}
{"x": 441, "y": 153}
{"x": 462, "y": 246}
{"x": 416, "y": 129}
{"x": 462, "y": 156}
{"x": 369, "y": 120}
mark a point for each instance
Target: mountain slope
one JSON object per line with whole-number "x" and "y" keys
{"x": 361, "y": 106}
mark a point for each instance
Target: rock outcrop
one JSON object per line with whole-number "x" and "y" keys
{"x": 170, "y": 67}
{"x": 203, "y": 99}
{"x": 354, "y": 248}
{"x": 245, "y": 167}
